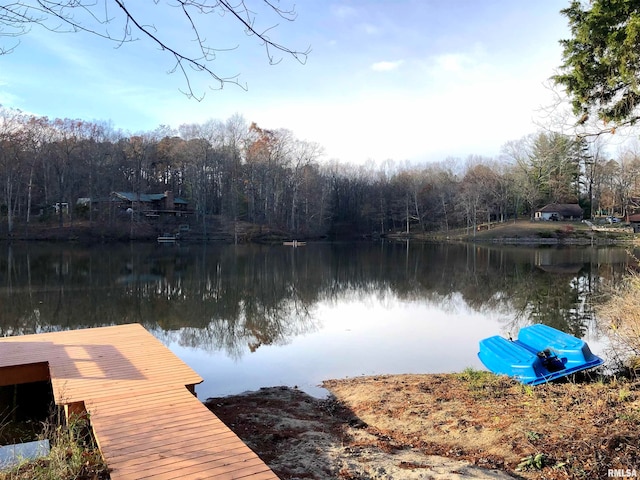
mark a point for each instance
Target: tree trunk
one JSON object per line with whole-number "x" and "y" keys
{"x": 29, "y": 193}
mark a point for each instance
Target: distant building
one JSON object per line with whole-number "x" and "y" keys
{"x": 634, "y": 221}
{"x": 64, "y": 206}
{"x": 151, "y": 204}
{"x": 560, "y": 211}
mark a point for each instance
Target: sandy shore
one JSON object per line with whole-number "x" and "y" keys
{"x": 301, "y": 437}
{"x": 455, "y": 426}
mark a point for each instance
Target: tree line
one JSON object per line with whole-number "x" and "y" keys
{"x": 242, "y": 172}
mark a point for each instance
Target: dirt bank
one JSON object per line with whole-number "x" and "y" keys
{"x": 470, "y": 425}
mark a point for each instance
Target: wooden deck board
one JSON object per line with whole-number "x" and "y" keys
{"x": 156, "y": 458}
{"x": 159, "y": 424}
{"x": 197, "y": 463}
{"x": 212, "y": 470}
{"x": 145, "y": 420}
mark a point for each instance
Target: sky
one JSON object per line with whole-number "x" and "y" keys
{"x": 406, "y": 80}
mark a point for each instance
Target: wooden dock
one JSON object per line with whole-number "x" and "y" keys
{"x": 140, "y": 399}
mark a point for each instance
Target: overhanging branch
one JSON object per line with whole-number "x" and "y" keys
{"x": 94, "y": 17}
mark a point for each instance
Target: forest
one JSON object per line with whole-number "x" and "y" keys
{"x": 238, "y": 171}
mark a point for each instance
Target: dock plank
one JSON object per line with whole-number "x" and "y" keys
{"x": 136, "y": 393}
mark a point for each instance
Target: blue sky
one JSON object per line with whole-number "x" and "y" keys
{"x": 417, "y": 80}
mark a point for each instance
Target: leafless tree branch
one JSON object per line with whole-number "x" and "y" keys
{"x": 558, "y": 117}
{"x": 94, "y": 17}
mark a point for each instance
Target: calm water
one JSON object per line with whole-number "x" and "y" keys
{"x": 250, "y": 316}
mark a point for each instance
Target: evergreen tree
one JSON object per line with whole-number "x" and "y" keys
{"x": 601, "y": 62}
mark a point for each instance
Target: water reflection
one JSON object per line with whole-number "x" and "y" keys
{"x": 257, "y": 295}
{"x": 233, "y": 301}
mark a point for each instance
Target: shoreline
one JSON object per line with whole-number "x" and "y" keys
{"x": 467, "y": 425}
{"x": 520, "y": 232}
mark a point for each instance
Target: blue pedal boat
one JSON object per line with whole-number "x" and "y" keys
{"x": 540, "y": 354}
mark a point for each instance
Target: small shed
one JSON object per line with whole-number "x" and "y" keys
{"x": 560, "y": 211}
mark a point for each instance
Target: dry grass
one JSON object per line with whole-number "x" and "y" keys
{"x": 73, "y": 455}
{"x": 578, "y": 429}
{"x": 560, "y": 430}
{"x": 527, "y": 231}
{"x": 620, "y": 318}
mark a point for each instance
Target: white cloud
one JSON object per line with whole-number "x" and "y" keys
{"x": 453, "y": 62}
{"x": 7, "y": 98}
{"x": 386, "y": 66}
{"x": 74, "y": 54}
{"x": 369, "y": 29}
{"x": 426, "y": 122}
{"x": 343, "y": 11}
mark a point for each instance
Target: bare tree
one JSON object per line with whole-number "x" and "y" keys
{"x": 476, "y": 191}
{"x": 593, "y": 180}
{"x": 303, "y": 156}
{"x": 123, "y": 22}
{"x": 36, "y": 129}
{"x": 63, "y": 155}
{"x": 12, "y": 147}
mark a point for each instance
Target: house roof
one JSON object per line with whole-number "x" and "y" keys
{"x": 148, "y": 197}
{"x": 564, "y": 209}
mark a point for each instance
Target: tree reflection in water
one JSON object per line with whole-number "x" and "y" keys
{"x": 237, "y": 298}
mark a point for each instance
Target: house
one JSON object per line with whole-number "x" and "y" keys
{"x": 559, "y": 211}
{"x": 151, "y": 204}
{"x": 634, "y": 220}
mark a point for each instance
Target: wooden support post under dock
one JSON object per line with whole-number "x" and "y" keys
{"x": 138, "y": 396}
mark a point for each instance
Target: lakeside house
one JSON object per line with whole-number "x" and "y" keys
{"x": 560, "y": 211}
{"x": 151, "y": 205}
{"x": 634, "y": 221}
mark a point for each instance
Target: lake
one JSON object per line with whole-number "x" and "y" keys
{"x": 251, "y": 316}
